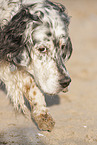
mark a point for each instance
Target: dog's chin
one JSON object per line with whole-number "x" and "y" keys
{"x": 51, "y": 93}
{"x": 64, "y": 90}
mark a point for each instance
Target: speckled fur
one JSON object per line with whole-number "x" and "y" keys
{"x": 34, "y": 46}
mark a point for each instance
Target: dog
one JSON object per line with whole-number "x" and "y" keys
{"x": 34, "y": 47}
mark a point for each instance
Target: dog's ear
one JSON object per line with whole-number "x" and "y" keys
{"x": 23, "y": 58}
{"x": 12, "y": 44}
{"x": 68, "y": 50}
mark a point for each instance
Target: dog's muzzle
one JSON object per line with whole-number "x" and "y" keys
{"x": 65, "y": 82}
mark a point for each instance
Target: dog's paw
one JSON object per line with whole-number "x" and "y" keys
{"x": 45, "y": 122}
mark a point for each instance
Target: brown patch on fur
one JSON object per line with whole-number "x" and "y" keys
{"x": 30, "y": 80}
{"x": 33, "y": 86}
{"x": 34, "y": 93}
{"x": 27, "y": 88}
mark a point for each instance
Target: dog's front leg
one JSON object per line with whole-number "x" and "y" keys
{"x": 39, "y": 110}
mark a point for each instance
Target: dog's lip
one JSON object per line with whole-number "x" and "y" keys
{"x": 66, "y": 89}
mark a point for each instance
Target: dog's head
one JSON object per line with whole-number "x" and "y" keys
{"x": 39, "y": 41}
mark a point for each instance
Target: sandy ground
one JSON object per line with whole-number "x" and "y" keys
{"x": 75, "y": 112}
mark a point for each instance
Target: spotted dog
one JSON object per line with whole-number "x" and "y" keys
{"x": 34, "y": 46}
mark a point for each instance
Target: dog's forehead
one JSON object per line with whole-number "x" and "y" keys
{"x": 43, "y": 32}
{"x": 53, "y": 27}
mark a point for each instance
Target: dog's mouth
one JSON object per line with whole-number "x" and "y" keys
{"x": 66, "y": 89}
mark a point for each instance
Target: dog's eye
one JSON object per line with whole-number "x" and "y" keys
{"x": 42, "y": 49}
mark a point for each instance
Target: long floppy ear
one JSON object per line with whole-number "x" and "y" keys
{"x": 23, "y": 58}
{"x": 12, "y": 45}
{"x": 68, "y": 50}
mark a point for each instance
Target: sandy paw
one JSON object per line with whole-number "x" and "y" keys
{"x": 45, "y": 122}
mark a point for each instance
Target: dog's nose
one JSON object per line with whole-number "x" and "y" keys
{"x": 65, "y": 81}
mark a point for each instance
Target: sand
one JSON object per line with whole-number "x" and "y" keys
{"x": 75, "y": 112}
